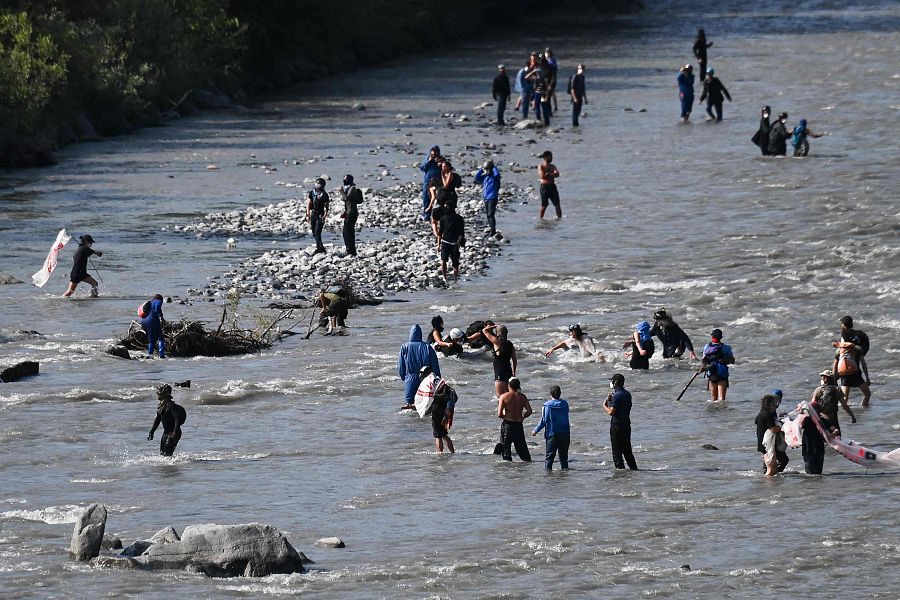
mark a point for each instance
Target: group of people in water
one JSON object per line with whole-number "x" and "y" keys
{"x": 419, "y": 367}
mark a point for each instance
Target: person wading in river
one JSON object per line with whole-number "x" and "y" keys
{"x": 79, "y": 269}
{"x": 172, "y": 416}
{"x": 548, "y": 174}
{"x": 618, "y": 406}
{"x": 505, "y": 360}
{"x": 513, "y": 408}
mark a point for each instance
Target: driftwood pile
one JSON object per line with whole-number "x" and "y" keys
{"x": 191, "y": 338}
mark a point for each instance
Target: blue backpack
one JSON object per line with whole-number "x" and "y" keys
{"x": 798, "y": 135}
{"x": 714, "y": 355}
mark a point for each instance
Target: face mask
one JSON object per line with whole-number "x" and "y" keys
{"x": 611, "y": 385}
{"x": 318, "y": 187}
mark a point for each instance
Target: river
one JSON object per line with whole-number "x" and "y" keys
{"x": 307, "y": 436}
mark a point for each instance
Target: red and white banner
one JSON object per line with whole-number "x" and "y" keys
{"x": 42, "y": 276}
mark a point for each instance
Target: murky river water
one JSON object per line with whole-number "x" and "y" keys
{"x": 307, "y": 437}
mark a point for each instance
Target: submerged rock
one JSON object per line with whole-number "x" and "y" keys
{"x": 331, "y": 542}
{"x": 87, "y": 537}
{"x": 123, "y": 563}
{"x": 8, "y": 279}
{"x": 118, "y": 351}
{"x": 19, "y": 371}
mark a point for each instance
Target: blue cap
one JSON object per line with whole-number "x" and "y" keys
{"x": 802, "y": 122}
{"x": 777, "y": 393}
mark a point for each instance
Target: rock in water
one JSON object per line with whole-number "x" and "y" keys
{"x": 88, "y": 534}
{"x": 111, "y": 542}
{"x": 249, "y": 550}
{"x": 119, "y": 351}
{"x": 165, "y": 536}
{"x": 8, "y": 279}
{"x": 136, "y": 549}
{"x": 19, "y": 371}
{"x": 331, "y": 542}
{"x": 708, "y": 447}
{"x": 528, "y": 124}
{"x": 122, "y": 563}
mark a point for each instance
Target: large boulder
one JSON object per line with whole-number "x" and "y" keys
{"x": 165, "y": 536}
{"x": 88, "y": 534}
{"x": 249, "y": 550}
{"x": 19, "y": 371}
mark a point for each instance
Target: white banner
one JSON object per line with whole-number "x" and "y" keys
{"x": 42, "y": 276}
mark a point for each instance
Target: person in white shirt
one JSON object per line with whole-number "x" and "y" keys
{"x": 581, "y": 340}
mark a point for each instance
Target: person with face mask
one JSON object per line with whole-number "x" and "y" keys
{"x": 352, "y": 197}
{"x": 778, "y": 136}
{"x": 761, "y": 137}
{"x": 317, "y": 211}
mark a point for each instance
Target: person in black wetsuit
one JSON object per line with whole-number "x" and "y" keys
{"x": 778, "y": 136}
{"x": 505, "y": 360}
{"x": 714, "y": 93}
{"x": 79, "y": 269}
{"x": 317, "y": 211}
{"x": 761, "y": 137}
{"x": 674, "y": 340}
{"x": 813, "y": 444}
{"x": 700, "y": 46}
{"x": 172, "y": 416}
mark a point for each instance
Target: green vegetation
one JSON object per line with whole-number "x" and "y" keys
{"x": 75, "y": 69}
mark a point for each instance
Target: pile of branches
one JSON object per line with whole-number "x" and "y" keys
{"x": 191, "y": 338}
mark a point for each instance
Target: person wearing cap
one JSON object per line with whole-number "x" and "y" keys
{"x": 685, "y": 80}
{"x": 352, "y": 197}
{"x": 504, "y": 353}
{"x": 172, "y": 416}
{"x": 769, "y": 437}
{"x": 673, "y": 338}
{"x": 317, "y": 211}
{"x": 488, "y": 177}
{"x": 761, "y": 137}
{"x": 581, "y": 340}
{"x": 850, "y": 361}
{"x": 778, "y": 136}
{"x": 152, "y": 323}
{"x": 555, "y": 423}
{"x": 716, "y": 358}
{"x": 80, "y": 267}
{"x": 714, "y": 93}
{"x": 501, "y": 93}
{"x": 618, "y": 406}
{"x": 513, "y": 407}
{"x": 798, "y": 138}
{"x": 828, "y": 395}
{"x": 578, "y": 93}
{"x": 431, "y": 168}
{"x": 700, "y": 47}
{"x": 552, "y": 76}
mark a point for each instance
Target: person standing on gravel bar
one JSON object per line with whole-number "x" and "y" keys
{"x": 152, "y": 322}
{"x": 414, "y": 355}
{"x": 700, "y": 46}
{"x": 488, "y": 177}
{"x": 352, "y": 197}
{"x": 714, "y": 93}
{"x": 552, "y": 77}
{"x": 513, "y": 408}
{"x": 501, "y": 93}
{"x": 618, "y": 406}
{"x": 578, "y": 93}
{"x": 172, "y": 416}
{"x": 685, "y": 82}
{"x": 548, "y": 174}
{"x": 317, "y": 211}
{"x": 451, "y": 237}
{"x": 504, "y": 352}
{"x": 555, "y": 423}
{"x": 79, "y": 269}
{"x": 431, "y": 168}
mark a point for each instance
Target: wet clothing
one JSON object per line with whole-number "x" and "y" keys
{"x": 451, "y": 229}
{"x": 585, "y": 345}
{"x": 336, "y": 306}
{"x": 641, "y": 362}
{"x": 430, "y": 169}
{"x": 152, "y": 325}
{"x": 674, "y": 340}
{"x": 557, "y": 443}
{"x": 513, "y": 434}
{"x": 319, "y": 206}
{"x": 700, "y": 46}
{"x": 549, "y": 194}
{"x": 438, "y": 412}
{"x": 765, "y": 421}
{"x": 414, "y": 355}
{"x": 620, "y": 429}
{"x": 686, "y": 93}
{"x": 716, "y": 358}
{"x": 352, "y": 197}
{"x": 761, "y": 137}
{"x": 778, "y": 136}
{"x": 501, "y": 93}
{"x": 80, "y": 268}
{"x": 714, "y": 93}
{"x": 503, "y": 361}
{"x": 813, "y": 444}
{"x": 172, "y": 416}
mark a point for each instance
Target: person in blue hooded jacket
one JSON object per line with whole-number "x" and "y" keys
{"x": 431, "y": 167}
{"x": 152, "y": 324}
{"x": 641, "y": 346}
{"x": 798, "y": 138}
{"x": 489, "y": 178}
{"x": 555, "y": 423}
{"x": 414, "y": 355}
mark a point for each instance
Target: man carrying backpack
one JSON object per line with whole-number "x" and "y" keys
{"x": 850, "y": 362}
{"x": 716, "y": 358}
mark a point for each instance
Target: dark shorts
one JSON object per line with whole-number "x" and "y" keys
{"x": 723, "y": 381}
{"x": 437, "y": 421}
{"x": 503, "y": 376}
{"x": 450, "y": 252}
{"x": 853, "y": 381}
{"x": 549, "y": 194}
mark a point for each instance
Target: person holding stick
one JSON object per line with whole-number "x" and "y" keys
{"x": 79, "y": 269}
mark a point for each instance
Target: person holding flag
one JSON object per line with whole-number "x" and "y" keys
{"x": 79, "y": 269}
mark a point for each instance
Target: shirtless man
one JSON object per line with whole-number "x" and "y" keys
{"x": 513, "y": 408}
{"x": 548, "y": 173}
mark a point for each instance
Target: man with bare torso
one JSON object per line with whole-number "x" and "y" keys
{"x": 513, "y": 408}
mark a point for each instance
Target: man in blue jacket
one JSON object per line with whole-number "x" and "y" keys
{"x": 431, "y": 167}
{"x": 489, "y": 178}
{"x": 555, "y": 423}
{"x": 414, "y": 355}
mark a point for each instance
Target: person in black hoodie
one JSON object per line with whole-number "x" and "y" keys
{"x": 352, "y": 197}
{"x": 714, "y": 93}
{"x": 501, "y": 93}
{"x": 674, "y": 340}
{"x": 79, "y": 269}
{"x": 700, "y": 46}
{"x": 172, "y": 416}
{"x": 761, "y": 137}
{"x": 778, "y": 136}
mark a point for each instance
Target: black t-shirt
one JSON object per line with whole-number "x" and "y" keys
{"x": 765, "y": 420}
{"x": 451, "y": 227}
{"x": 438, "y": 212}
{"x": 79, "y": 269}
{"x": 503, "y": 359}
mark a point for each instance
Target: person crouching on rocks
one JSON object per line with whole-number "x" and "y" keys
{"x": 79, "y": 269}
{"x": 152, "y": 323}
{"x": 172, "y": 416}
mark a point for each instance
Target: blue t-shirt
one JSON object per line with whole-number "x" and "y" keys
{"x": 621, "y": 402}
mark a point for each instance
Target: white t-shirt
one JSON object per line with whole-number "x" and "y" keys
{"x": 585, "y": 344}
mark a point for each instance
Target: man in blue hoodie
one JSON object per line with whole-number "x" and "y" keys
{"x": 555, "y": 423}
{"x": 489, "y": 178}
{"x": 414, "y": 355}
{"x": 431, "y": 167}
